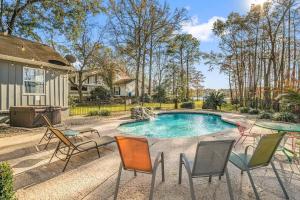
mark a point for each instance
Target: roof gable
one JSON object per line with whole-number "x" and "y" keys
{"x": 12, "y": 46}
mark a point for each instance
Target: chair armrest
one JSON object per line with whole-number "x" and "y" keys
{"x": 159, "y": 158}
{"x": 247, "y": 147}
{"x": 186, "y": 163}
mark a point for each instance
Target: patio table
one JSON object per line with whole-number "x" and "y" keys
{"x": 282, "y": 127}
{"x": 279, "y": 126}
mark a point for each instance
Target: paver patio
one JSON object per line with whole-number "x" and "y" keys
{"x": 88, "y": 177}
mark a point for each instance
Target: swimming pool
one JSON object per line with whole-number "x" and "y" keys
{"x": 177, "y": 125}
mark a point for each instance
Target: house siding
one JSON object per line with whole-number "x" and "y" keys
{"x": 11, "y": 88}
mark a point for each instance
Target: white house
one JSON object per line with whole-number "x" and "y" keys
{"x": 123, "y": 86}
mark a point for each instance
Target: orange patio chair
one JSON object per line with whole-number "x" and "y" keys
{"x": 135, "y": 156}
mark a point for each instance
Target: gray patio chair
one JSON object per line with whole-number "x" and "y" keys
{"x": 135, "y": 156}
{"x": 211, "y": 159}
{"x": 261, "y": 157}
{"x": 69, "y": 149}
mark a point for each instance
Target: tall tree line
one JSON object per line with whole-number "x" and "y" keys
{"x": 260, "y": 52}
{"x": 146, "y": 34}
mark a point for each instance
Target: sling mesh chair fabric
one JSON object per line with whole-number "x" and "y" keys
{"x": 211, "y": 159}
{"x": 135, "y": 156}
{"x": 67, "y": 148}
{"x": 261, "y": 157}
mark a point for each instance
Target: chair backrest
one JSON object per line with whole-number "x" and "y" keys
{"x": 265, "y": 150}
{"x": 47, "y": 121}
{"x": 61, "y": 137}
{"x": 134, "y": 153}
{"x": 212, "y": 157}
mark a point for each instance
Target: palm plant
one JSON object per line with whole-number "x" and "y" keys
{"x": 290, "y": 98}
{"x": 214, "y": 100}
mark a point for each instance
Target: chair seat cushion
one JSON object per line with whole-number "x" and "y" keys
{"x": 240, "y": 160}
{"x": 71, "y": 133}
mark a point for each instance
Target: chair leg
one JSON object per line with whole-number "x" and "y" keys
{"x": 162, "y": 167}
{"x": 180, "y": 169}
{"x": 152, "y": 185}
{"x": 118, "y": 182}
{"x": 135, "y": 174}
{"x": 252, "y": 184}
{"x": 244, "y": 139}
{"x": 98, "y": 152}
{"x": 229, "y": 184}
{"x": 67, "y": 161}
{"x": 191, "y": 186}
{"x": 49, "y": 140}
{"x": 279, "y": 180}
{"x": 209, "y": 180}
{"x": 237, "y": 141}
{"x": 45, "y": 135}
{"x": 55, "y": 151}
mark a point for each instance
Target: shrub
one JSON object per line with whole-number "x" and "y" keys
{"x": 160, "y": 94}
{"x": 104, "y": 113}
{"x": 99, "y": 113}
{"x": 265, "y": 115}
{"x": 214, "y": 100}
{"x": 100, "y": 93}
{"x": 253, "y": 112}
{"x": 93, "y": 113}
{"x": 189, "y": 105}
{"x": 284, "y": 116}
{"x": 244, "y": 109}
{"x": 6, "y": 182}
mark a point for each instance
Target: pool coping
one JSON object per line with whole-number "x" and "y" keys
{"x": 181, "y": 111}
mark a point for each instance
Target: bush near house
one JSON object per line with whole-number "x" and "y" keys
{"x": 244, "y": 110}
{"x": 265, "y": 115}
{"x": 284, "y": 116}
{"x": 253, "y": 111}
{"x": 99, "y": 113}
{"x": 6, "y": 182}
{"x": 100, "y": 93}
{"x": 188, "y": 105}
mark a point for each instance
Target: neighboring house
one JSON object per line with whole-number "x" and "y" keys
{"x": 92, "y": 81}
{"x": 31, "y": 74}
{"x": 123, "y": 85}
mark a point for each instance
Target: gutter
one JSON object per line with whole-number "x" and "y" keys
{"x": 36, "y": 63}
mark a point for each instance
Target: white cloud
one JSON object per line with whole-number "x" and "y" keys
{"x": 202, "y": 31}
{"x": 187, "y": 8}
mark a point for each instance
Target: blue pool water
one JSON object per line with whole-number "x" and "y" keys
{"x": 176, "y": 125}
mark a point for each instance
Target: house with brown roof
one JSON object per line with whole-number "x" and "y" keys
{"x": 123, "y": 85}
{"x": 32, "y": 74}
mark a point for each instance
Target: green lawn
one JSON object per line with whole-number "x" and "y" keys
{"x": 84, "y": 110}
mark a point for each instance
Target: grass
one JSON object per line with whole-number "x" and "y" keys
{"x": 84, "y": 110}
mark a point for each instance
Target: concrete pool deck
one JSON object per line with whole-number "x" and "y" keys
{"x": 89, "y": 177}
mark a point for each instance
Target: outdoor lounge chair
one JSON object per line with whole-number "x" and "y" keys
{"x": 211, "y": 159}
{"x": 261, "y": 157}
{"x": 135, "y": 156}
{"x": 245, "y": 132}
{"x": 67, "y": 148}
{"x": 48, "y": 135}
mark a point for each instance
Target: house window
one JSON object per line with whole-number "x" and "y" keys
{"x": 117, "y": 90}
{"x": 34, "y": 80}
